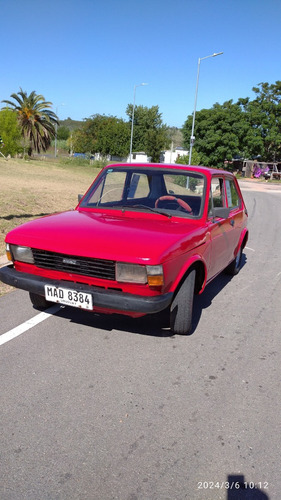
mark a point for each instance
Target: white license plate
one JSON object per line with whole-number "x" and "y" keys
{"x": 68, "y": 297}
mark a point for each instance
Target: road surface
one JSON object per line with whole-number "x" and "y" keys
{"x": 100, "y": 408}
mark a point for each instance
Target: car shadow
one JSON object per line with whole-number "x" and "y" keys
{"x": 22, "y": 216}
{"x": 204, "y": 300}
{"x": 145, "y": 325}
{"x": 150, "y": 325}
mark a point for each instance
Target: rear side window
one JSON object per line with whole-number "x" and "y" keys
{"x": 233, "y": 198}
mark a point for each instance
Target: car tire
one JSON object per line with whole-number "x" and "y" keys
{"x": 39, "y": 302}
{"x": 235, "y": 266}
{"x": 182, "y": 306}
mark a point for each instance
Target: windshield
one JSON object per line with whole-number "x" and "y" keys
{"x": 171, "y": 192}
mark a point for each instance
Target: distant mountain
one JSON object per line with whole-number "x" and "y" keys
{"x": 176, "y": 136}
{"x": 70, "y": 124}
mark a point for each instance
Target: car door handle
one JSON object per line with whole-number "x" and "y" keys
{"x": 232, "y": 222}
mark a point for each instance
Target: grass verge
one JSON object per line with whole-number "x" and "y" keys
{"x": 34, "y": 188}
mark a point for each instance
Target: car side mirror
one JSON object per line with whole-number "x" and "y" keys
{"x": 80, "y": 196}
{"x": 221, "y": 212}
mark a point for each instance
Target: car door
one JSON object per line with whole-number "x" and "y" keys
{"x": 235, "y": 217}
{"x": 219, "y": 228}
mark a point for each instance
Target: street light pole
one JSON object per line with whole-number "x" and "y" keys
{"x": 62, "y": 104}
{"x": 192, "y": 138}
{"x": 133, "y": 115}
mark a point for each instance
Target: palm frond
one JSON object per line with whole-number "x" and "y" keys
{"x": 36, "y": 120}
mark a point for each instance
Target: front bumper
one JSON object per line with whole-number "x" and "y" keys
{"x": 102, "y": 298}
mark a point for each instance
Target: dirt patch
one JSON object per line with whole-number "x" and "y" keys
{"x": 4, "y": 289}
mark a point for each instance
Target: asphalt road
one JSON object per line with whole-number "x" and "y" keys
{"x": 100, "y": 408}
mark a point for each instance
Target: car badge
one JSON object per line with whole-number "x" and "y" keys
{"x": 73, "y": 262}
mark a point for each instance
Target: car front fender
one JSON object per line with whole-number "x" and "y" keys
{"x": 195, "y": 261}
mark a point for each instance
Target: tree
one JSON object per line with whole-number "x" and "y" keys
{"x": 63, "y": 133}
{"x": 196, "y": 160}
{"x": 10, "y": 133}
{"x": 223, "y": 132}
{"x": 36, "y": 120}
{"x": 264, "y": 115}
{"x": 102, "y": 134}
{"x": 81, "y": 142}
{"x": 248, "y": 128}
{"x": 149, "y": 132}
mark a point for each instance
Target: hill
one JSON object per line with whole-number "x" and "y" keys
{"x": 71, "y": 124}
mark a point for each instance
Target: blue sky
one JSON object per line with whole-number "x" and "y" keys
{"x": 89, "y": 54}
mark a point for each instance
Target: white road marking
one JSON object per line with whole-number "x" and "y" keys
{"x": 248, "y": 248}
{"x": 30, "y": 323}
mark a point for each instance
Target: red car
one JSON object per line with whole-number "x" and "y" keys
{"x": 143, "y": 239}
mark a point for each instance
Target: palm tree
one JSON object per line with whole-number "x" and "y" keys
{"x": 36, "y": 121}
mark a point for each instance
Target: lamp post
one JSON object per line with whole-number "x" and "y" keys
{"x": 62, "y": 104}
{"x": 133, "y": 115}
{"x": 192, "y": 138}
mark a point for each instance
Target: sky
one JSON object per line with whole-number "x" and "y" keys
{"x": 89, "y": 57}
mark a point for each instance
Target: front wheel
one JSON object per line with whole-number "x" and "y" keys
{"x": 39, "y": 302}
{"x": 182, "y": 306}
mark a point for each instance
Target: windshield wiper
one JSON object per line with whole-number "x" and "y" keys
{"x": 123, "y": 208}
{"x": 166, "y": 214}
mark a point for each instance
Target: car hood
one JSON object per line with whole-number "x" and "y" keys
{"x": 132, "y": 237}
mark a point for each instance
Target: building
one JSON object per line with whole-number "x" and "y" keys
{"x": 172, "y": 155}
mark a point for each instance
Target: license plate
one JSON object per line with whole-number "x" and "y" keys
{"x": 68, "y": 297}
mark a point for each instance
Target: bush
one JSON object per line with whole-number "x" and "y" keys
{"x": 10, "y": 133}
{"x": 180, "y": 180}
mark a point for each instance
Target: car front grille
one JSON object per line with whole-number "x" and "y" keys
{"x": 95, "y": 268}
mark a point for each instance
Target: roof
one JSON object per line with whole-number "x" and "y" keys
{"x": 163, "y": 166}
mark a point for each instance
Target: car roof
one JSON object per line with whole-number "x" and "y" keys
{"x": 208, "y": 171}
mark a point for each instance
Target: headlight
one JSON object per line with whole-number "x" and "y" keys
{"x": 135, "y": 273}
{"x": 22, "y": 254}
{"x": 130, "y": 273}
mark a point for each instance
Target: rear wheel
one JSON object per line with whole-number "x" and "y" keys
{"x": 39, "y": 302}
{"x": 182, "y": 306}
{"x": 235, "y": 266}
